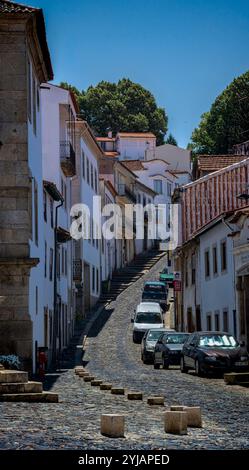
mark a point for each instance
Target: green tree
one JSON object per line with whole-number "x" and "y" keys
{"x": 124, "y": 106}
{"x": 171, "y": 140}
{"x": 227, "y": 122}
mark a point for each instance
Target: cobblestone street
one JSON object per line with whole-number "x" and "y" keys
{"x": 74, "y": 423}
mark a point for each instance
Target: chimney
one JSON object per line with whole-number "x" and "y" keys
{"x": 110, "y": 134}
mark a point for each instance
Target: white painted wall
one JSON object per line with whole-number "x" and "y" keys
{"x": 218, "y": 291}
{"x": 132, "y": 148}
{"x": 91, "y": 248}
{"x": 178, "y": 158}
{"x": 36, "y": 251}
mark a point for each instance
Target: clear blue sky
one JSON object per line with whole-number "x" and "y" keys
{"x": 184, "y": 51}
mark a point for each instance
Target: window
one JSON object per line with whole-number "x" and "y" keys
{"x": 138, "y": 198}
{"x": 45, "y": 205}
{"x": 93, "y": 233}
{"x": 83, "y": 165}
{"x": 34, "y": 105}
{"x": 223, "y": 254}
{"x": 97, "y": 280}
{"x": 62, "y": 260}
{"x": 169, "y": 189}
{"x": 93, "y": 278}
{"x": 193, "y": 269}
{"x": 38, "y": 98}
{"x": 96, "y": 180}
{"x": 36, "y": 300}
{"x": 217, "y": 320}
{"x": 51, "y": 213}
{"x": 207, "y": 264}
{"x": 29, "y": 89}
{"x": 158, "y": 186}
{"x": 45, "y": 260}
{"x": 92, "y": 175}
{"x": 65, "y": 195}
{"x": 51, "y": 257}
{"x": 36, "y": 211}
{"x": 209, "y": 322}
{"x": 215, "y": 260}
{"x": 65, "y": 259}
{"x": 87, "y": 171}
{"x": 186, "y": 272}
{"x": 225, "y": 321}
{"x": 58, "y": 263}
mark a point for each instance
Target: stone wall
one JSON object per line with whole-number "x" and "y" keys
{"x": 15, "y": 193}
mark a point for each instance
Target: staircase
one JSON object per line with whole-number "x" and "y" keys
{"x": 15, "y": 387}
{"x": 131, "y": 273}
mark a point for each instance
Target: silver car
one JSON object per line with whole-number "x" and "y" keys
{"x": 149, "y": 342}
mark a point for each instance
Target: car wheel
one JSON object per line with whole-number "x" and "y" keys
{"x": 165, "y": 363}
{"x": 184, "y": 369}
{"x": 156, "y": 366}
{"x": 198, "y": 369}
{"x": 135, "y": 339}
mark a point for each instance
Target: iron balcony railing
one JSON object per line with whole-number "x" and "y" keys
{"x": 77, "y": 270}
{"x": 67, "y": 158}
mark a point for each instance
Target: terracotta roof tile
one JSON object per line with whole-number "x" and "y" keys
{"x": 217, "y": 162}
{"x": 105, "y": 139}
{"x": 111, "y": 154}
{"x": 11, "y": 7}
{"x": 137, "y": 134}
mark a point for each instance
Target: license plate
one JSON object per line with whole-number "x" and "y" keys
{"x": 242, "y": 363}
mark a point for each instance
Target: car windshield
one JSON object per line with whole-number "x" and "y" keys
{"x": 158, "y": 288}
{"x": 148, "y": 317}
{"x": 176, "y": 339}
{"x": 218, "y": 341}
{"x": 153, "y": 335}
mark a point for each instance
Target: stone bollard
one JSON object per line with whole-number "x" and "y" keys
{"x": 96, "y": 383}
{"x": 105, "y": 386}
{"x": 194, "y": 418}
{"x": 155, "y": 401}
{"x": 118, "y": 391}
{"x": 134, "y": 395}
{"x": 175, "y": 422}
{"x": 112, "y": 425}
{"x": 88, "y": 378}
{"x": 82, "y": 373}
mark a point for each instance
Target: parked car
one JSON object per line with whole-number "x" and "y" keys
{"x": 168, "y": 349}
{"x": 148, "y": 315}
{"x": 155, "y": 291}
{"x": 213, "y": 351}
{"x": 149, "y": 342}
{"x": 167, "y": 277}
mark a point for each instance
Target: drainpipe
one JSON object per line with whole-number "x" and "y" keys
{"x": 55, "y": 317}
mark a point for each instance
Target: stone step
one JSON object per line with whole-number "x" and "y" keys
{"x": 13, "y": 376}
{"x": 29, "y": 387}
{"x": 44, "y": 397}
{"x": 235, "y": 378}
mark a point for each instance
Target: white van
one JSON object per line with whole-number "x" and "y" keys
{"x": 148, "y": 315}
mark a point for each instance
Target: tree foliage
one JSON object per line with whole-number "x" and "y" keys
{"x": 124, "y": 106}
{"x": 171, "y": 140}
{"x": 227, "y": 122}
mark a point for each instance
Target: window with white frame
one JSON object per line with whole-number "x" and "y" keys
{"x": 158, "y": 186}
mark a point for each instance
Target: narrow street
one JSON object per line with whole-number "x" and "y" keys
{"x": 110, "y": 355}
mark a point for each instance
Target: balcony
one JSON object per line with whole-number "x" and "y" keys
{"x": 77, "y": 270}
{"x": 67, "y": 158}
{"x": 124, "y": 190}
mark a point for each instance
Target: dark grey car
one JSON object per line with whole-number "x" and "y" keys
{"x": 168, "y": 349}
